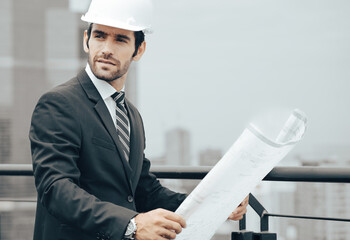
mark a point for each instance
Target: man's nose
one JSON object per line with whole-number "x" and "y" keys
{"x": 107, "y": 48}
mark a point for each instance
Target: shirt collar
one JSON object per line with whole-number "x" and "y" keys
{"x": 103, "y": 87}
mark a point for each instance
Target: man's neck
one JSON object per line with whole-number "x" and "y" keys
{"x": 118, "y": 84}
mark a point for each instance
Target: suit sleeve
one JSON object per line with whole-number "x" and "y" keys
{"x": 55, "y": 136}
{"x": 150, "y": 194}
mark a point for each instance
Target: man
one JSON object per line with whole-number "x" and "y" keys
{"x": 88, "y": 141}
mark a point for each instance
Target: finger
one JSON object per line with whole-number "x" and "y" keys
{"x": 241, "y": 211}
{"x": 237, "y": 215}
{"x": 173, "y": 226}
{"x": 166, "y": 233}
{"x": 235, "y": 218}
{"x": 233, "y": 215}
{"x": 176, "y": 218}
{"x": 238, "y": 218}
{"x": 238, "y": 211}
{"x": 153, "y": 235}
{"x": 246, "y": 200}
{"x": 160, "y": 238}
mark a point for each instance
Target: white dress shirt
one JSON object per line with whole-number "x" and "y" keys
{"x": 105, "y": 90}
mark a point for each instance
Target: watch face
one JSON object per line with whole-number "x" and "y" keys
{"x": 130, "y": 229}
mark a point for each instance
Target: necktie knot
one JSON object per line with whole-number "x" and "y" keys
{"x": 118, "y": 97}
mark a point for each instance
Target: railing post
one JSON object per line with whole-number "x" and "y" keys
{"x": 242, "y": 223}
{"x": 264, "y": 222}
{"x": 242, "y": 235}
{"x": 246, "y": 235}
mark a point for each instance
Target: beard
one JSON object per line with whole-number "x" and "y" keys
{"x": 108, "y": 73}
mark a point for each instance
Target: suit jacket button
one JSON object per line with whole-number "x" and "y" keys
{"x": 130, "y": 199}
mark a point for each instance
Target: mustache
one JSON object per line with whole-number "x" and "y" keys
{"x": 107, "y": 59}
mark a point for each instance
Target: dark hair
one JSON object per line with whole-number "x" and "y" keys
{"x": 139, "y": 38}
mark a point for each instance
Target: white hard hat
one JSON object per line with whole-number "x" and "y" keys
{"x": 133, "y": 15}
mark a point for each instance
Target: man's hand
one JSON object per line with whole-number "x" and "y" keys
{"x": 158, "y": 224}
{"x": 240, "y": 210}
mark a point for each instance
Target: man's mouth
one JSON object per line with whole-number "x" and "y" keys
{"x": 101, "y": 60}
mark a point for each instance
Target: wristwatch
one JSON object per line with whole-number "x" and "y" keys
{"x": 130, "y": 230}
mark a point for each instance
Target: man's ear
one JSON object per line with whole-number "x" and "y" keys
{"x": 140, "y": 51}
{"x": 85, "y": 44}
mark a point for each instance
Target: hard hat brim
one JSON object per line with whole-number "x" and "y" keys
{"x": 115, "y": 24}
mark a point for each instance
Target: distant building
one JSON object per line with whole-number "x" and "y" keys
{"x": 131, "y": 84}
{"x": 41, "y": 47}
{"x": 5, "y": 153}
{"x": 158, "y": 161}
{"x": 209, "y": 157}
{"x": 5, "y": 134}
{"x": 178, "y": 147}
{"x": 324, "y": 200}
{"x": 282, "y": 201}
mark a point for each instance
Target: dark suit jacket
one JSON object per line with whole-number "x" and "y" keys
{"x": 86, "y": 188}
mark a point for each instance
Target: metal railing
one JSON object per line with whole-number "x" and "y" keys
{"x": 286, "y": 174}
{"x": 281, "y": 174}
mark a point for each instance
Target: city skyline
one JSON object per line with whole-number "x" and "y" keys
{"x": 317, "y": 82}
{"x": 238, "y": 60}
{"x": 209, "y": 70}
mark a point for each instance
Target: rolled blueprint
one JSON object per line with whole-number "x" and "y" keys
{"x": 239, "y": 171}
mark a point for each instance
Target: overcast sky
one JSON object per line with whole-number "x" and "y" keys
{"x": 213, "y": 66}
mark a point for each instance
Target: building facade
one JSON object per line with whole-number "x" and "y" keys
{"x": 41, "y": 47}
{"x": 178, "y": 147}
{"x": 323, "y": 200}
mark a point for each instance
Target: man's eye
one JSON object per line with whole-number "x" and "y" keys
{"x": 121, "y": 40}
{"x": 98, "y": 36}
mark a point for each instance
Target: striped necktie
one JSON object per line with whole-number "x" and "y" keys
{"x": 122, "y": 122}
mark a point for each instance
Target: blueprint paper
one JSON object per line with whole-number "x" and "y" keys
{"x": 239, "y": 171}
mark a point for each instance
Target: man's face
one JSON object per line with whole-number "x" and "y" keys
{"x": 110, "y": 51}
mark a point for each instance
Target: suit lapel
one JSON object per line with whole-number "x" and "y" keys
{"x": 106, "y": 119}
{"x": 136, "y": 140}
{"x": 103, "y": 112}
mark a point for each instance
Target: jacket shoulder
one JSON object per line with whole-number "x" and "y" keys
{"x": 70, "y": 90}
